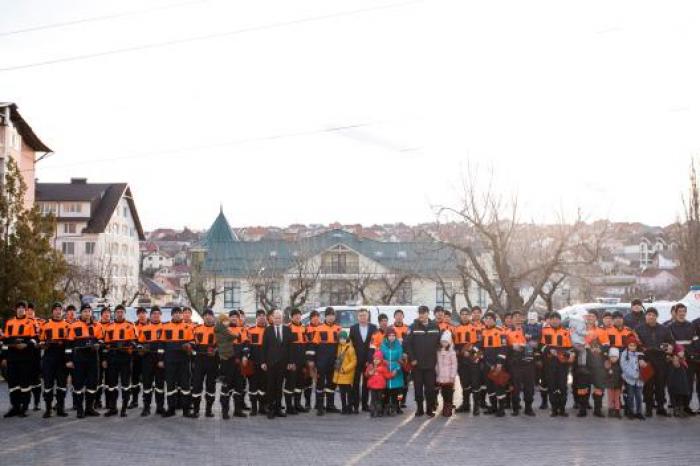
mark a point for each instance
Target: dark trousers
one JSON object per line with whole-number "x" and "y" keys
{"x": 424, "y": 386}
{"x": 325, "y": 389}
{"x": 345, "y": 396}
{"x": 86, "y": 363}
{"x": 136, "y": 375}
{"x": 177, "y": 377}
{"x": 153, "y": 380}
{"x": 558, "y": 373}
{"x": 470, "y": 378}
{"x": 275, "y": 382}
{"x": 118, "y": 373}
{"x": 206, "y": 368}
{"x": 523, "y": 380}
{"x": 54, "y": 375}
{"x": 20, "y": 380}
{"x": 257, "y": 386}
{"x": 655, "y": 389}
{"x": 359, "y": 388}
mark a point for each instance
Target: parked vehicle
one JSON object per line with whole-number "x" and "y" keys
{"x": 346, "y": 316}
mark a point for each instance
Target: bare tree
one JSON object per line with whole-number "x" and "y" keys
{"x": 303, "y": 277}
{"x": 95, "y": 278}
{"x": 687, "y": 233}
{"x": 202, "y": 288}
{"x": 392, "y": 284}
{"x": 511, "y": 260}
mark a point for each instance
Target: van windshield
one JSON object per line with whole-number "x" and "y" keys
{"x": 346, "y": 318}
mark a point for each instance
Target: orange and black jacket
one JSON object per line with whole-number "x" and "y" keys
{"x": 173, "y": 340}
{"x": 401, "y": 331}
{"x": 256, "y": 334}
{"x": 377, "y": 339}
{"x": 297, "y": 354}
{"x": 54, "y": 335}
{"x": 518, "y": 336}
{"x": 494, "y": 344}
{"x": 323, "y": 347}
{"x": 149, "y": 337}
{"x": 19, "y": 331}
{"x": 82, "y": 337}
{"x": 445, "y": 325}
{"x": 240, "y": 342}
{"x": 120, "y": 337}
{"x": 555, "y": 338}
{"x": 617, "y": 336}
{"x": 204, "y": 341}
{"x": 598, "y": 335}
{"x": 464, "y": 334}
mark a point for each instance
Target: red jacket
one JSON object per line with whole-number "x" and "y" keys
{"x": 377, "y": 380}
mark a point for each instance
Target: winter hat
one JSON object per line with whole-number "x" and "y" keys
{"x": 614, "y": 353}
{"x": 446, "y": 336}
{"x": 390, "y": 331}
{"x": 343, "y": 335}
{"x": 378, "y": 355}
{"x": 631, "y": 339}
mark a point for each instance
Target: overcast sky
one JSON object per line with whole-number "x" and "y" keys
{"x": 316, "y": 111}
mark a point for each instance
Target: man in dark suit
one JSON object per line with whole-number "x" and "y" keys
{"x": 277, "y": 346}
{"x": 361, "y": 337}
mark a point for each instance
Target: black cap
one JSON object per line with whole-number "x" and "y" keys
{"x": 618, "y": 315}
{"x": 208, "y": 312}
{"x": 87, "y": 306}
{"x": 57, "y": 304}
{"x": 70, "y": 307}
{"x": 140, "y": 310}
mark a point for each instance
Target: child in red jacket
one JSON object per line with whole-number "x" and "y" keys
{"x": 377, "y": 374}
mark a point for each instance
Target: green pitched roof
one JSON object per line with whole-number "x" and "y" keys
{"x": 228, "y": 256}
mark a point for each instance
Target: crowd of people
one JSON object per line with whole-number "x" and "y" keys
{"x": 277, "y": 369}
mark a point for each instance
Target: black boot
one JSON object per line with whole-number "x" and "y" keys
{"x": 330, "y": 403}
{"x": 225, "y": 401}
{"x": 146, "y": 410}
{"x": 476, "y": 410}
{"x": 500, "y": 407}
{"x": 598, "y": 406}
{"x": 320, "y": 410}
{"x": 125, "y": 406}
{"x": 47, "y": 413}
{"x": 125, "y": 402}
{"x": 297, "y": 404}
{"x": 61, "y": 406}
{"x": 528, "y": 409}
{"x": 253, "y": 405}
{"x": 289, "y": 404}
{"x": 543, "y": 404}
{"x": 208, "y": 408}
{"x": 648, "y": 410}
{"x": 464, "y": 407}
{"x": 419, "y": 408}
{"x": 89, "y": 405}
{"x": 262, "y": 408}
{"x": 160, "y": 403}
{"x": 238, "y": 406}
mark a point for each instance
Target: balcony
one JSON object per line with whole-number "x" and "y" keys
{"x": 340, "y": 269}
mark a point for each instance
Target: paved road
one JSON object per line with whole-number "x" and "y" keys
{"x": 336, "y": 439}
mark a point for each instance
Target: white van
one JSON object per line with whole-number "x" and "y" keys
{"x": 346, "y": 316}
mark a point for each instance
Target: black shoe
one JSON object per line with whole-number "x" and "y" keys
{"x": 640, "y": 416}
{"x": 146, "y": 411}
{"x": 648, "y": 412}
{"x": 563, "y": 413}
{"x": 597, "y": 413}
{"x": 365, "y": 408}
{"x": 169, "y": 413}
{"x": 47, "y": 413}
{"x": 225, "y": 415}
{"x": 528, "y": 411}
{"x": 208, "y": 413}
{"x": 134, "y": 404}
{"x": 91, "y": 413}
{"x": 270, "y": 414}
{"x": 110, "y": 412}
{"x": 332, "y": 409}
{"x": 430, "y": 414}
{"x": 688, "y": 411}
{"x": 662, "y": 412}
{"x": 60, "y": 412}
{"x": 320, "y": 411}
{"x": 239, "y": 414}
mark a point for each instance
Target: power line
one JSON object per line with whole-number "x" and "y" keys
{"x": 91, "y": 19}
{"x": 188, "y": 149}
{"x": 217, "y": 35}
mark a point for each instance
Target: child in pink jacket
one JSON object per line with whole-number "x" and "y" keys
{"x": 446, "y": 370}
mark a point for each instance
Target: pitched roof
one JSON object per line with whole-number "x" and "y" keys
{"x": 26, "y": 131}
{"x": 153, "y": 287}
{"x": 232, "y": 257}
{"x": 103, "y": 198}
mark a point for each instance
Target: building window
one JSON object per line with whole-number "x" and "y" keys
{"x": 90, "y": 248}
{"x": 126, "y": 212}
{"x": 404, "y": 295}
{"x": 270, "y": 293}
{"x": 337, "y": 293}
{"x": 232, "y": 295}
{"x": 340, "y": 261}
{"x": 69, "y": 228}
{"x": 125, "y": 250}
{"x": 68, "y": 248}
{"x": 443, "y": 291}
{"x": 73, "y": 207}
{"x": 48, "y": 208}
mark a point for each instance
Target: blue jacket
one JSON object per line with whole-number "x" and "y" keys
{"x": 392, "y": 354}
